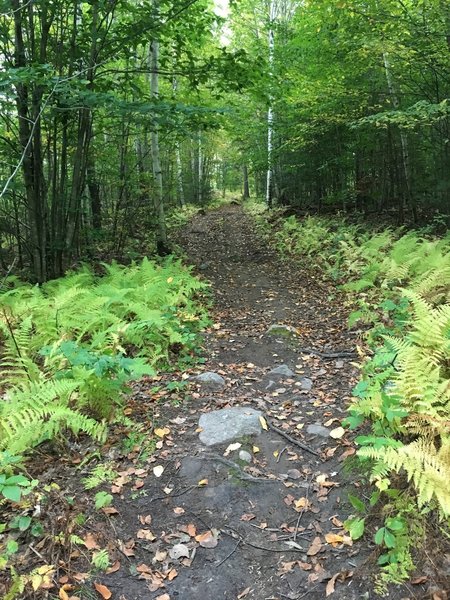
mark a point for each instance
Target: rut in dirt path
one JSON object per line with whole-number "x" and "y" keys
{"x": 266, "y": 520}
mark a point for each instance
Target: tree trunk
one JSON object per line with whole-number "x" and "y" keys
{"x": 246, "y": 194}
{"x": 162, "y": 245}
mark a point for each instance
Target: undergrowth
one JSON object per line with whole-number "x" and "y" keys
{"x": 399, "y": 283}
{"x": 70, "y": 347}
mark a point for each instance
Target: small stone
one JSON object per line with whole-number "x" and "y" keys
{"x": 318, "y": 429}
{"x": 282, "y": 370}
{"x": 280, "y": 330}
{"x": 339, "y": 364}
{"x": 245, "y": 456}
{"x": 306, "y": 383}
{"x": 211, "y": 379}
{"x": 294, "y": 474}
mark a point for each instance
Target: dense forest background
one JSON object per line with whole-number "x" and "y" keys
{"x": 114, "y": 112}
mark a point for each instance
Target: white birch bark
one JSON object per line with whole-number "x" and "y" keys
{"x": 269, "y": 178}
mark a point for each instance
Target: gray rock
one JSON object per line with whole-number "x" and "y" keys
{"x": 228, "y": 424}
{"x": 318, "y": 429}
{"x": 279, "y": 330}
{"x": 282, "y": 370}
{"x": 306, "y": 383}
{"x": 294, "y": 474}
{"x": 210, "y": 379}
{"x": 245, "y": 456}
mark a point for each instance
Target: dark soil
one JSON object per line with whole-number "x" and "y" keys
{"x": 258, "y": 543}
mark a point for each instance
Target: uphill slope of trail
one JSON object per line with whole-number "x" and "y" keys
{"x": 252, "y": 516}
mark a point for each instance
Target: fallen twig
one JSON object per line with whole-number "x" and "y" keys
{"x": 291, "y": 439}
{"x": 229, "y": 554}
{"x": 328, "y": 355}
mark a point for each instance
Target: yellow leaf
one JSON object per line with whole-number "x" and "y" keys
{"x": 333, "y": 538}
{"x": 161, "y": 432}
{"x": 276, "y": 453}
{"x": 263, "y": 423}
{"x": 202, "y": 483}
{"x": 169, "y": 279}
{"x": 255, "y": 449}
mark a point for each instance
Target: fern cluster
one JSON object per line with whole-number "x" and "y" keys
{"x": 401, "y": 283}
{"x": 70, "y": 346}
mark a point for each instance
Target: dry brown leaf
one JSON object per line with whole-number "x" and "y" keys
{"x": 145, "y": 520}
{"x": 103, "y": 591}
{"x": 146, "y": 534}
{"x": 178, "y": 510}
{"x": 143, "y": 568}
{"x": 163, "y": 597}
{"x": 113, "y": 568}
{"x": 315, "y": 547}
{"x": 248, "y": 517}
{"x": 207, "y": 539}
{"x": 331, "y": 585}
{"x": 172, "y": 574}
{"x": 110, "y": 510}
{"x": 90, "y": 542}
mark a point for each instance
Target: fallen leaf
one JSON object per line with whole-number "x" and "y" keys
{"x": 255, "y": 449}
{"x": 90, "y": 542}
{"x": 172, "y": 574}
{"x": 110, "y": 510}
{"x": 145, "y": 520}
{"x": 103, "y": 591}
{"x": 62, "y": 594}
{"x": 337, "y": 433}
{"x": 202, "y": 483}
{"x": 158, "y": 470}
{"x": 207, "y": 539}
{"x": 315, "y": 547}
{"x": 263, "y": 423}
{"x": 113, "y": 568}
{"x": 163, "y": 597}
{"x": 179, "y": 551}
{"x": 333, "y": 538}
{"x": 248, "y": 517}
{"x": 146, "y": 534}
{"x": 162, "y": 432}
{"x": 244, "y": 593}
{"x": 330, "y": 585}
{"x": 178, "y": 510}
{"x": 232, "y": 448}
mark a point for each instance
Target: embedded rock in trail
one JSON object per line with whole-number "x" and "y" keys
{"x": 306, "y": 383}
{"x": 282, "y": 370}
{"x": 228, "y": 424}
{"x": 210, "y": 379}
{"x": 317, "y": 429}
{"x": 245, "y": 456}
{"x": 279, "y": 330}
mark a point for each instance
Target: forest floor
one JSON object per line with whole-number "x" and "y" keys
{"x": 188, "y": 522}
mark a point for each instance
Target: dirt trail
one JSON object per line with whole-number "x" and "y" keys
{"x": 269, "y": 537}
